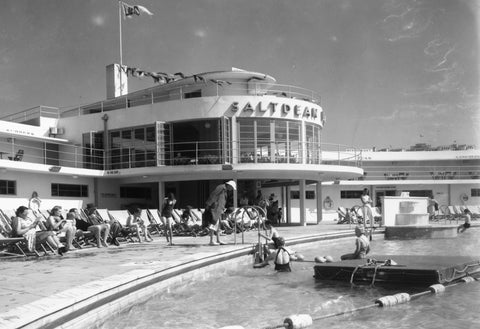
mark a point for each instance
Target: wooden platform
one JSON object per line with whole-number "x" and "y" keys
{"x": 409, "y": 269}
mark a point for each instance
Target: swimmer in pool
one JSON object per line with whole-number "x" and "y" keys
{"x": 282, "y": 256}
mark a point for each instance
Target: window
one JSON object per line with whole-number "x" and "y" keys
{"x": 310, "y": 195}
{"x": 350, "y": 194}
{"x": 475, "y": 192}
{"x": 8, "y": 187}
{"x": 295, "y": 195}
{"x": 421, "y": 193}
{"x": 135, "y": 192}
{"x": 70, "y": 190}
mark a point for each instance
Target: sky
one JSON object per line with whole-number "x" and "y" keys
{"x": 390, "y": 73}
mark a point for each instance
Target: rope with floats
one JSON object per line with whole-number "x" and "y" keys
{"x": 300, "y": 321}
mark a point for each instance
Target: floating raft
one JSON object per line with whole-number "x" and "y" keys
{"x": 405, "y": 269}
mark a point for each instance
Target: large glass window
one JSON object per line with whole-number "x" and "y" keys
{"x": 312, "y": 135}
{"x": 294, "y": 142}
{"x": 280, "y": 141}
{"x": 133, "y": 147}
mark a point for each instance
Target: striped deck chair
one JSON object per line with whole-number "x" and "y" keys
{"x": 151, "y": 226}
{"x": 21, "y": 244}
{"x": 121, "y": 217}
{"x": 9, "y": 247}
{"x": 156, "y": 220}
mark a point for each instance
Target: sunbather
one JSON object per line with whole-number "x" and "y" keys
{"x": 105, "y": 227}
{"x": 34, "y": 231}
{"x": 60, "y": 225}
{"x": 137, "y": 225}
{"x": 100, "y": 230}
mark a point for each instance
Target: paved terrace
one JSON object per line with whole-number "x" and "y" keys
{"x": 38, "y": 286}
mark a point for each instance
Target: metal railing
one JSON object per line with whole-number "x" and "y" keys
{"x": 210, "y": 153}
{"x": 209, "y": 89}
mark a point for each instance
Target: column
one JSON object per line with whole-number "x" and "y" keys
{"x": 303, "y": 211}
{"x": 319, "y": 202}
{"x": 288, "y": 205}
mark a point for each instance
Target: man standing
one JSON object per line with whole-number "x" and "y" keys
{"x": 215, "y": 206}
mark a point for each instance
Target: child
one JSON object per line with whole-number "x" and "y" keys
{"x": 361, "y": 243}
{"x": 467, "y": 215}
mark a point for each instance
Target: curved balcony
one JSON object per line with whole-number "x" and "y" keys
{"x": 209, "y": 88}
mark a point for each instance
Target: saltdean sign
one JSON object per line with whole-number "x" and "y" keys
{"x": 276, "y": 109}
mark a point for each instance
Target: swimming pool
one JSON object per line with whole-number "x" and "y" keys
{"x": 258, "y": 298}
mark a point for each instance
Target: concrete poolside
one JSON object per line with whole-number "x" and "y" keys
{"x": 75, "y": 277}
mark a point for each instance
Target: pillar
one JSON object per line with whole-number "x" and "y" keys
{"x": 303, "y": 211}
{"x": 319, "y": 202}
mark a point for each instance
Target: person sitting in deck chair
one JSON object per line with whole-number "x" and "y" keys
{"x": 362, "y": 245}
{"x": 137, "y": 225}
{"x": 58, "y": 224}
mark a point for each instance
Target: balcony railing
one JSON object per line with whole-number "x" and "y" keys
{"x": 210, "y": 152}
{"x": 166, "y": 93}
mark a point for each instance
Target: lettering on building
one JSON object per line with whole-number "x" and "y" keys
{"x": 271, "y": 108}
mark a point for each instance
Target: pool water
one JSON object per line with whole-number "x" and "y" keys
{"x": 259, "y": 298}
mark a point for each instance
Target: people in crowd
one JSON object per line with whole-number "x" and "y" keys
{"x": 362, "y": 245}
{"x": 167, "y": 216}
{"x": 34, "y": 231}
{"x": 100, "y": 231}
{"x": 467, "y": 216}
{"x": 272, "y": 209}
{"x": 366, "y": 206}
{"x": 432, "y": 207}
{"x": 271, "y": 234}
{"x": 114, "y": 228}
{"x": 243, "y": 202}
{"x": 137, "y": 225}
{"x": 58, "y": 224}
{"x": 281, "y": 256}
{"x": 34, "y": 203}
{"x": 188, "y": 222}
{"x": 215, "y": 206}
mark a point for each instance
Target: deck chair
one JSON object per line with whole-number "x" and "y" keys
{"x": 121, "y": 217}
{"x": 18, "y": 156}
{"x": 156, "y": 221}
{"x": 151, "y": 226}
{"x": 342, "y": 215}
{"x": 18, "y": 245}
{"x": 377, "y": 215}
{"x": 453, "y": 215}
{"x": 475, "y": 211}
{"x": 9, "y": 247}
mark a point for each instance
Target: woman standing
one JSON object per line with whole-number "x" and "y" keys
{"x": 167, "y": 209}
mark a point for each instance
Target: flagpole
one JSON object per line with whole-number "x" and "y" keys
{"x": 120, "y": 43}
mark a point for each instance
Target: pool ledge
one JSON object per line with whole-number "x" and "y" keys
{"x": 93, "y": 302}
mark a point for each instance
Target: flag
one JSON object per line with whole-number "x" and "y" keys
{"x": 130, "y": 11}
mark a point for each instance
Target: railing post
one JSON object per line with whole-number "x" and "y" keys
{"x": 196, "y": 152}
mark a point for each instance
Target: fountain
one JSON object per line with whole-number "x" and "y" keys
{"x": 406, "y": 217}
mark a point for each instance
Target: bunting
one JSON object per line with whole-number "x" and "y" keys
{"x": 162, "y": 77}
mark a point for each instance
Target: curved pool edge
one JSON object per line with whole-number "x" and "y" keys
{"x": 92, "y": 303}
